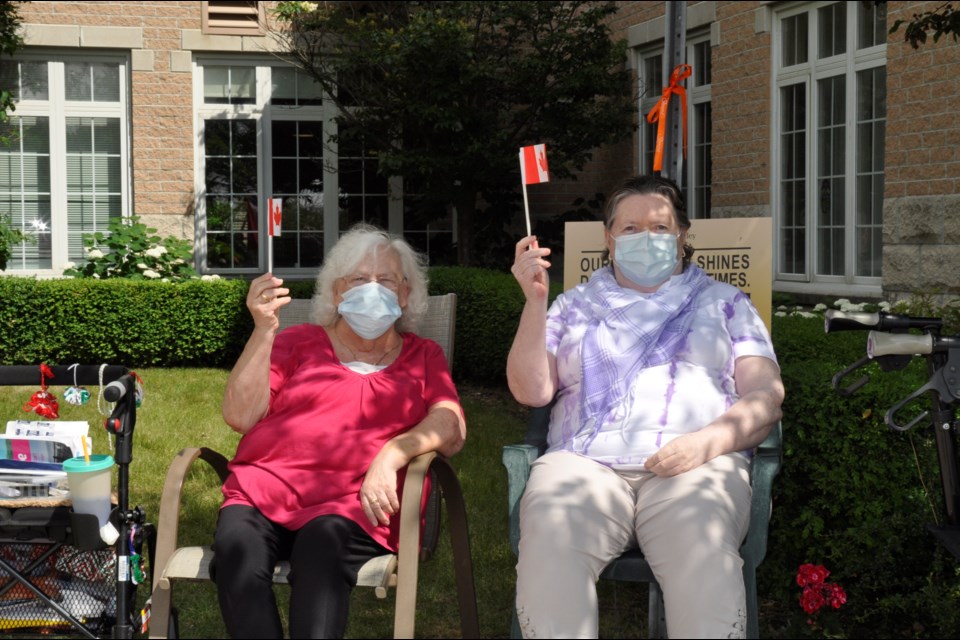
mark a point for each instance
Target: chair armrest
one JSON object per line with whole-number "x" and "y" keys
{"x": 169, "y": 516}
{"x": 766, "y": 465}
{"x": 408, "y": 555}
{"x": 517, "y": 458}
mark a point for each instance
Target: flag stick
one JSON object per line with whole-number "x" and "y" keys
{"x": 526, "y": 208}
{"x": 269, "y": 253}
{"x": 523, "y": 181}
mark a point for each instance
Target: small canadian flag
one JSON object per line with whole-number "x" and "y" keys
{"x": 274, "y": 209}
{"x": 533, "y": 164}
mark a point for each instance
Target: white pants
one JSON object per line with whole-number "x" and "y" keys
{"x": 576, "y": 516}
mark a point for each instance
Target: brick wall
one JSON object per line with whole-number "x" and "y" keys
{"x": 921, "y": 230}
{"x": 161, "y": 98}
{"x": 740, "y": 96}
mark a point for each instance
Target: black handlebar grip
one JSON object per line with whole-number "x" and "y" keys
{"x": 116, "y": 389}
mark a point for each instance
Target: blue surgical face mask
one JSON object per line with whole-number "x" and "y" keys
{"x": 370, "y": 309}
{"x": 647, "y": 259}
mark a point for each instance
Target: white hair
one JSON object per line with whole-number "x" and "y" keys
{"x": 361, "y": 241}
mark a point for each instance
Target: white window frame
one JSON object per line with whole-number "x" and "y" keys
{"x": 58, "y": 109}
{"x": 263, "y": 113}
{"x": 696, "y": 95}
{"x": 809, "y": 74}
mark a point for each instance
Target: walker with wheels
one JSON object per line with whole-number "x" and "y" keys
{"x": 891, "y": 345}
{"x": 57, "y": 574}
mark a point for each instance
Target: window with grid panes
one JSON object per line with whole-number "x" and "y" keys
{"x": 830, "y": 119}
{"x": 267, "y": 131}
{"x": 65, "y": 172}
{"x": 264, "y": 130}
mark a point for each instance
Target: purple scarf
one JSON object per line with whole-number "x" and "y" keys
{"x": 629, "y": 332}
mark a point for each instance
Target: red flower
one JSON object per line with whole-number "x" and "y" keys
{"x": 811, "y": 600}
{"x": 836, "y": 596}
{"x": 811, "y": 574}
{"x": 816, "y": 591}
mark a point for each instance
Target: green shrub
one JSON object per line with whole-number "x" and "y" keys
{"x": 488, "y": 311}
{"x": 489, "y": 304}
{"x": 10, "y": 237}
{"x": 134, "y": 323}
{"x": 853, "y": 494}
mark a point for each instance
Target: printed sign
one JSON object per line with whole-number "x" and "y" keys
{"x": 732, "y": 250}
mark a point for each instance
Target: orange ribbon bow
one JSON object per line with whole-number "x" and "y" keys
{"x": 659, "y": 112}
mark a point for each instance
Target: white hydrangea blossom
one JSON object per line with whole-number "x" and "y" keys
{"x": 849, "y": 306}
{"x": 820, "y": 307}
{"x": 210, "y": 277}
{"x": 150, "y": 273}
{"x": 155, "y": 252}
{"x": 94, "y": 254}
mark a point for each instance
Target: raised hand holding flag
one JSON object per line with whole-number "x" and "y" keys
{"x": 533, "y": 170}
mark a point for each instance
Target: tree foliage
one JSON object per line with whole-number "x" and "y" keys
{"x": 445, "y": 93}
{"x": 942, "y": 21}
{"x": 10, "y": 43}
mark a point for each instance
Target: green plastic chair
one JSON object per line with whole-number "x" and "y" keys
{"x": 631, "y": 565}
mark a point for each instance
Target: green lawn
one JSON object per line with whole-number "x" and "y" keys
{"x": 182, "y": 408}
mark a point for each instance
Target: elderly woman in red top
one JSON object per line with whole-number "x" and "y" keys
{"x": 331, "y": 413}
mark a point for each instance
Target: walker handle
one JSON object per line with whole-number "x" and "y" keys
{"x": 835, "y": 320}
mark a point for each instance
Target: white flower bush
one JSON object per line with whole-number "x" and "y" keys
{"x": 841, "y": 304}
{"x": 130, "y": 250}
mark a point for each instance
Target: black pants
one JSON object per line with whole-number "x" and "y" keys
{"x": 325, "y": 556}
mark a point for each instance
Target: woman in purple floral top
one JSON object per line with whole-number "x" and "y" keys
{"x": 664, "y": 381}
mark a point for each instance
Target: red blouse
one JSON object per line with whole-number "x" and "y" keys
{"x": 326, "y": 423}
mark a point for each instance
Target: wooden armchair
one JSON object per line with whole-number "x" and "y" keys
{"x": 392, "y": 570}
{"x": 631, "y": 566}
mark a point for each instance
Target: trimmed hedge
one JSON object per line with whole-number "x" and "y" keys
{"x": 197, "y": 323}
{"x": 119, "y": 321}
{"x": 488, "y": 311}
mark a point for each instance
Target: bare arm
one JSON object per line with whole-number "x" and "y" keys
{"x": 443, "y": 430}
{"x": 531, "y": 369}
{"x": 246, "y": 399}
{"x": 743, "y": 426}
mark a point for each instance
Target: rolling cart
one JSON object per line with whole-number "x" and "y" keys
{"x": 56, "y": 574}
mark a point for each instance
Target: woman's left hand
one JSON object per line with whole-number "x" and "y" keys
{"x": 681, "y": 454}
{"x": 378, "y": 493}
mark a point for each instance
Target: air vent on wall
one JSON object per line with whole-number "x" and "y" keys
{"x": 231, "y": 18}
